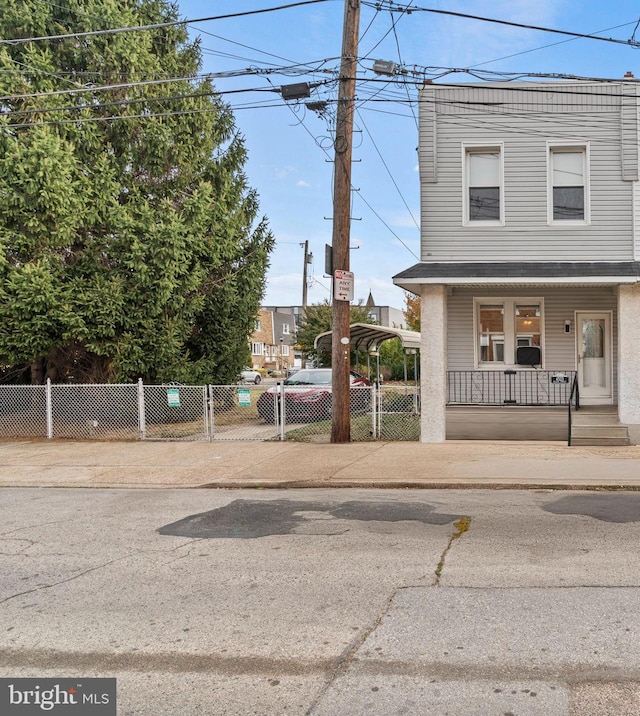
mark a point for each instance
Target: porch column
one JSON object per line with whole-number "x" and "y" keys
{"x": 433, "y": 363}
{"x": 628, "y": 359}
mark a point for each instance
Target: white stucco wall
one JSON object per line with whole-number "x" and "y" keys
{"x": 433, "y": 363}
{"x": 629, "y": 359}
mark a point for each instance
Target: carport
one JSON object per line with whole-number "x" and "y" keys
{"x": 368, "y": 338}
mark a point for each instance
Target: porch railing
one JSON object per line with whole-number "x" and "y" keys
{"x": 573, "y": 396}
{"x": 509, "y": 387}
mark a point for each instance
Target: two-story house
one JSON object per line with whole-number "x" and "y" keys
{"x": 272, "y": 342}
{"x": 529, "y": 273}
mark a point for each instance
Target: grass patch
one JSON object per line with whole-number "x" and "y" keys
{"x": 394, "y": 427}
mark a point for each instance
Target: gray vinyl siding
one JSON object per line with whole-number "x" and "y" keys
{"x": 560, "y": 305}
{"x": 523, "y": 123}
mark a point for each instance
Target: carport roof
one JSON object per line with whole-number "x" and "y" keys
{"x": 368, "y": 337}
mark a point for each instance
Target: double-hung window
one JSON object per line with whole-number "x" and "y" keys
{"x": 483, "y": 182}
{"x": 505, "y": 324}
{"x": 257, "y": 349}
{"x": 568, "y": 179}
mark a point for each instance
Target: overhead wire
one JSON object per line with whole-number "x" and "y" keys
{"x": 386, "y": 166}
{"x": 155, "y": 26}
{"x": 395, "y": 7}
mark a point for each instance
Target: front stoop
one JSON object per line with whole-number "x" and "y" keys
{"x": 595, "y": 425}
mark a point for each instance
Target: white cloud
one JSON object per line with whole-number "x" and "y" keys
{"x": 302, "y": 182}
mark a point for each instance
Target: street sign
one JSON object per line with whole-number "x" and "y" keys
{"x": 559, "y": 378}
{"x": 343, "y": 285}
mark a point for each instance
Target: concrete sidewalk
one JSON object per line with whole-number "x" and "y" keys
{"x": 221, "y": 464}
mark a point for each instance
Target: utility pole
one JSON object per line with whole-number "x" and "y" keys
{"x": 343, "y": 145}
{"x": 307, "y": 260}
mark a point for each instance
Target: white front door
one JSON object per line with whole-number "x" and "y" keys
{"x": 594, "y": 357}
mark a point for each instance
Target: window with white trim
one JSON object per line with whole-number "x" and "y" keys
{"x": 568, "y": 179}
{"x": 284, "y": 350}
{"x": 483, "y": 185}
{"x": 505, "y": 324}
{"x": 285, "y": 329}
{"x": 257, "y": 349}
{"x": 257, "y": 326}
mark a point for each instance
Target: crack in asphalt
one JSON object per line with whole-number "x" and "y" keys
{"x": 462, "y": 525}
{"x": 347, "y": 657}
{"x": 342, "y": 663}
{"x": 41, "y": 587}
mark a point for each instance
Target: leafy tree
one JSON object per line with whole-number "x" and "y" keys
{"x": 392, "y": 361}
{"x": 412, "y": 311}
{"x": 317, "y": 320}
{"x": 129, "y": 239}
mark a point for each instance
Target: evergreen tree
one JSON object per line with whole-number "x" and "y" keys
{"x": 130, "y": 243}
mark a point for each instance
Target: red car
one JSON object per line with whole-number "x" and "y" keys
{"x": 307, "y": 396}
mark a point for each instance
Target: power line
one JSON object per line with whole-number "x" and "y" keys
{"x": 394, "y": 7}
{"x": 155, "y": 26}
{"x": 386, "y": 166}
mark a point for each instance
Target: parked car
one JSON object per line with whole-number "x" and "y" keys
{"x": 248, "y": 375}
{"x": 307, "y": 395}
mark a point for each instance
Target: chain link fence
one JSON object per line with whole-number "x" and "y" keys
{"x": 23, "y": 411}
{"x": 214, "y": 412}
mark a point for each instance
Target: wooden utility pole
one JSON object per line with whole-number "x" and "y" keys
{"x": 307, "y": 259}
{"x": 340, "y": 349}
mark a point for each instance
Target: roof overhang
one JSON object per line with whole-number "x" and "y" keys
{"x": 519, "y": 273}
{"x": 368, "y": 338}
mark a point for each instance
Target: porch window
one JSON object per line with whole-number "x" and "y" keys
{"x": 527, "y": 324}
{"x": 257, "y": 349}
{"x": 483, "y": 184}
{"x": 568, "y": 184}
{"x": 491, "y": 333}
{"x": 505, "y": 324}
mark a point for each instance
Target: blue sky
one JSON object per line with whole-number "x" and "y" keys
{"x": 289, "y": 145}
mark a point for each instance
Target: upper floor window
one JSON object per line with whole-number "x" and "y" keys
{"x": 568, "y": 194}
{"x": 257, "y": 326}
{"x": 483, "y": 185}
{"x": 285, "y": 329}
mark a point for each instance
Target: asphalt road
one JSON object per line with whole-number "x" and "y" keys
{"x": 327, "y": 602}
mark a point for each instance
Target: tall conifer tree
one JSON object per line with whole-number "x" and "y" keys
{"x": 130, "y": 243}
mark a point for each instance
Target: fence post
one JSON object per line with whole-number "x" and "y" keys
{"x": 205, "y": 406}
{"x": 280, "y": 408}
{"x": 49, "y": 407}
{"x": 374, "y": 410}
{"x": 212, "y": 414}
{"x": 142, "y": 419}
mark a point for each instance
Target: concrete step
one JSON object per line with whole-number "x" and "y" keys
{"x": 599, "y": 429}
{"x": 599, "y": 442}
{"x": 580, "y": 418}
